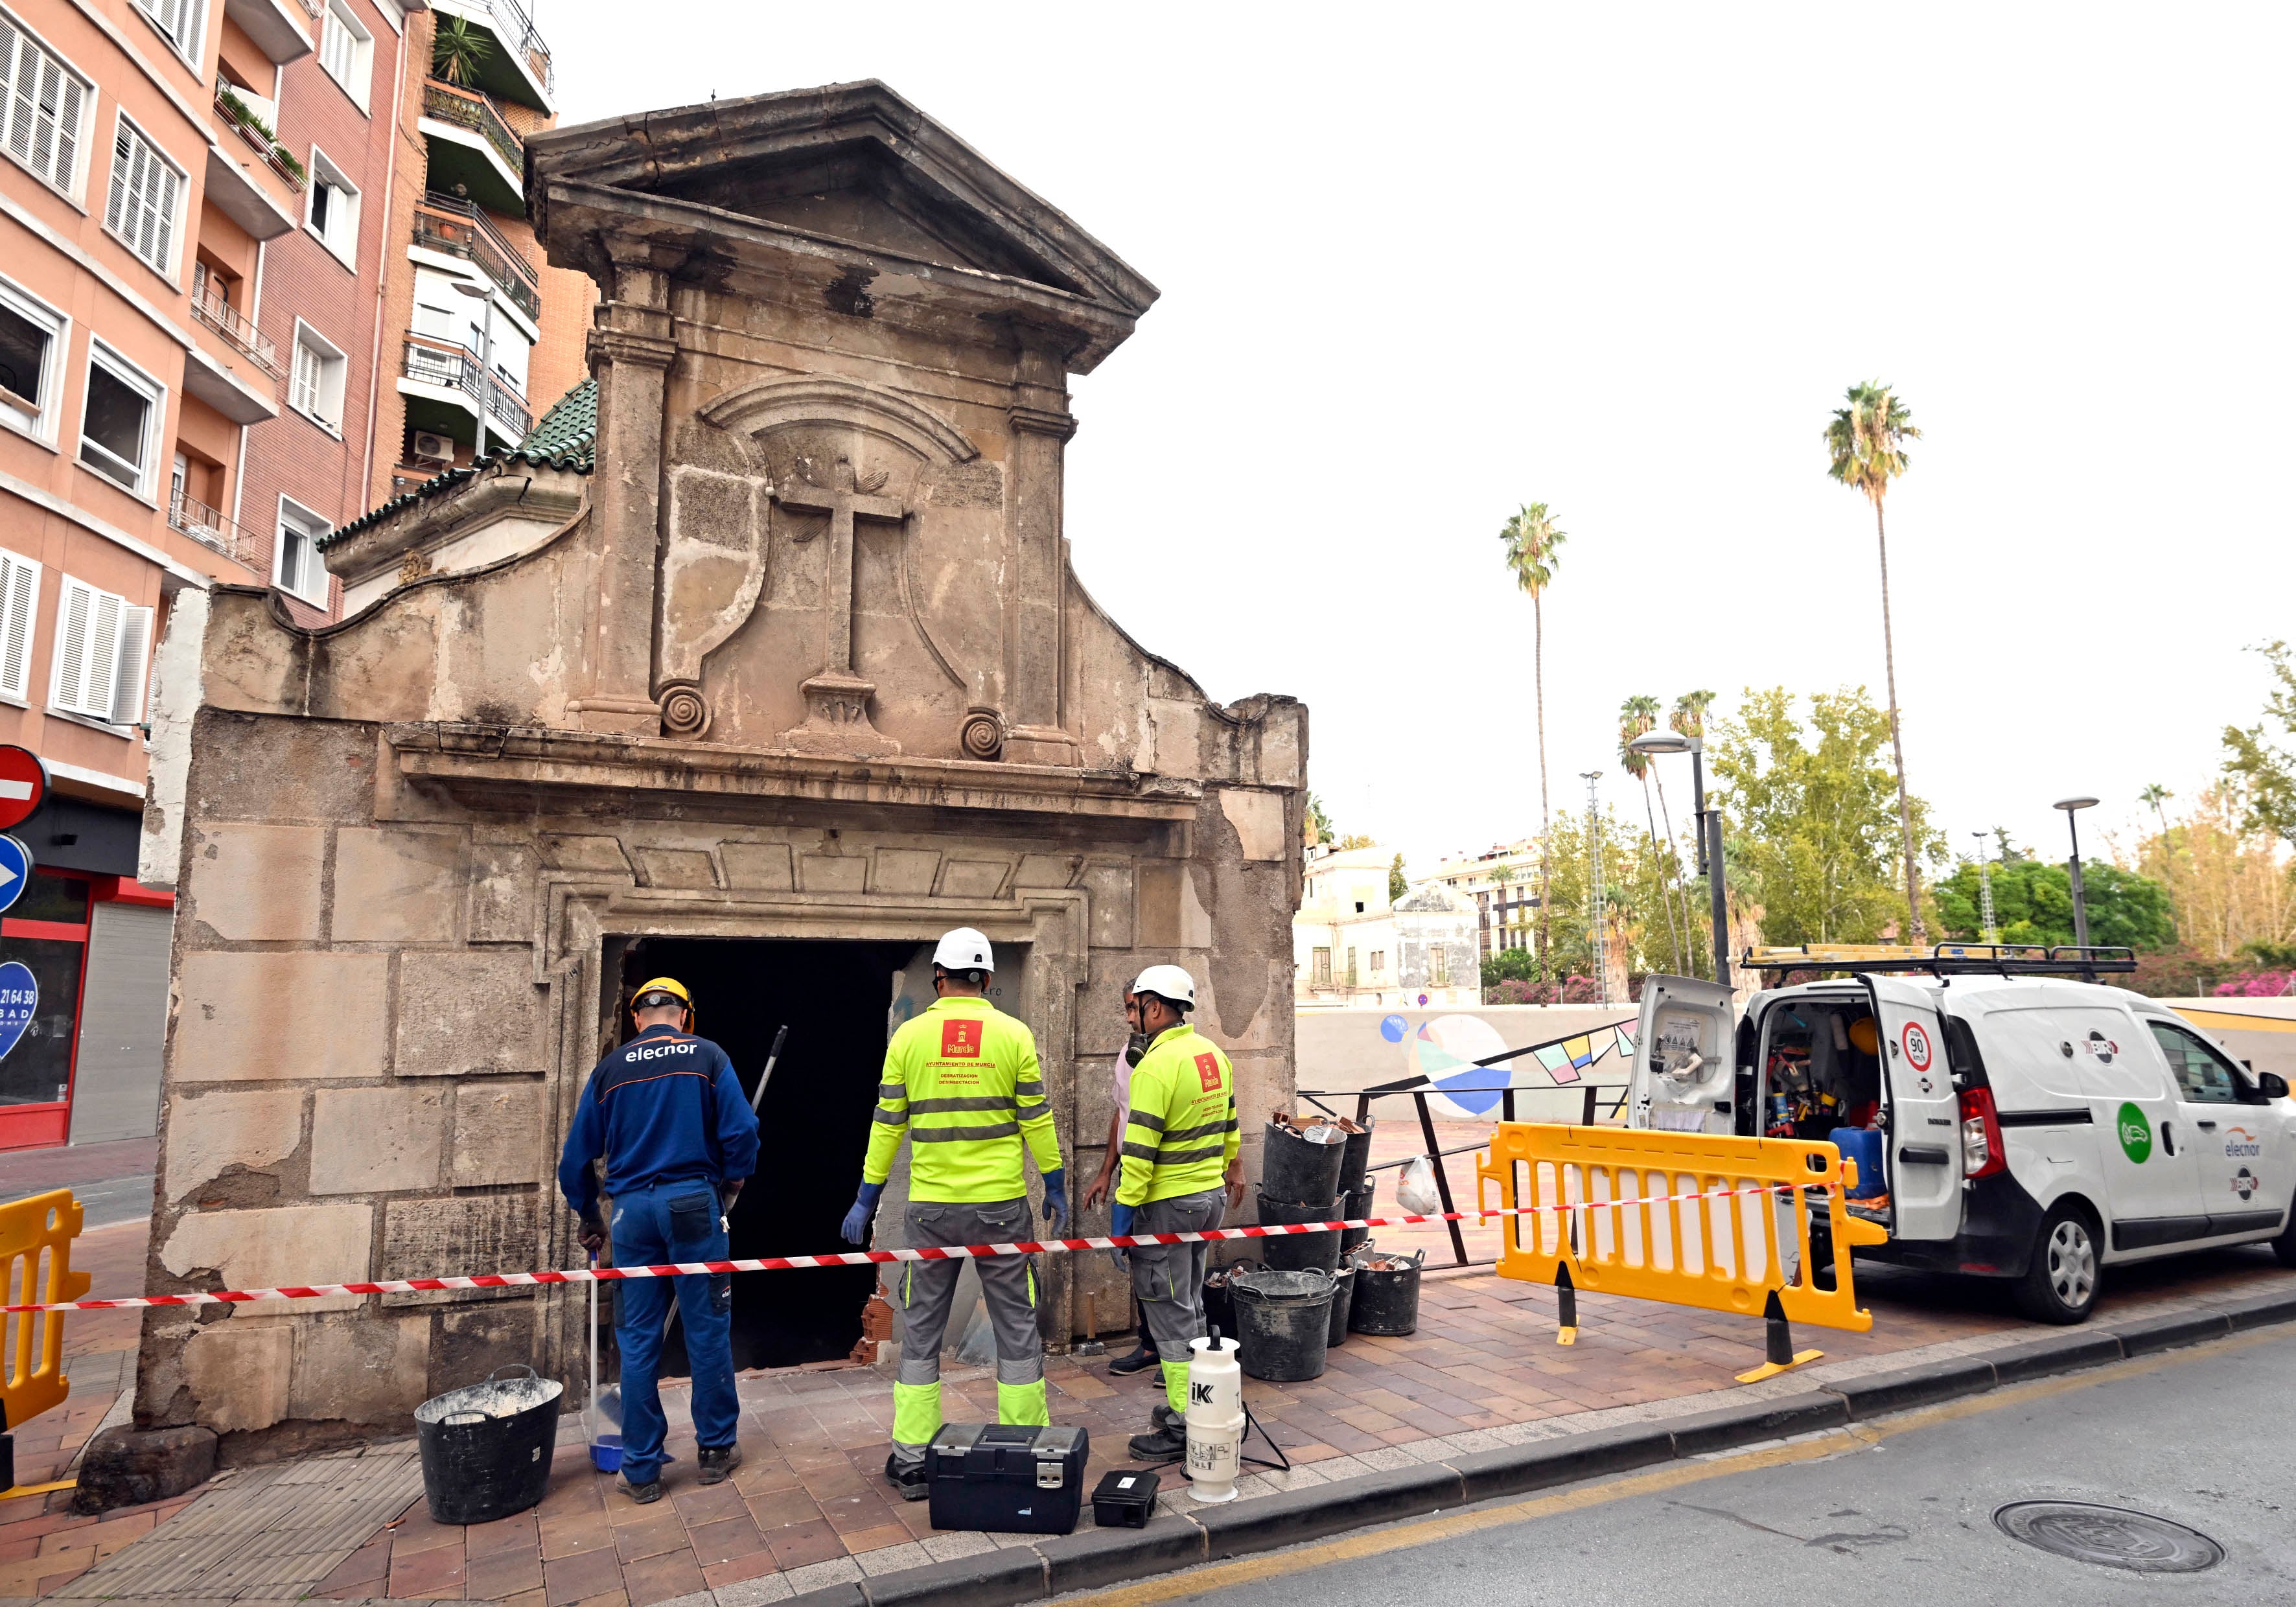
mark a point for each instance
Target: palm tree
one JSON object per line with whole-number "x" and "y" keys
{"x": 2154, "y": 795}
{"x": 1637, "y": 715}
{"x": 1867, "y": 444}
{"x": 1500, "y": 876}
{"x": 1532, "y": 538}
{"x": 459, "y": 51}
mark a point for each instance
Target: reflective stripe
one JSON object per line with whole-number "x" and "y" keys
{"x": 935, "y": 1107}
{"x": 1141, "y": 1118}
{"x": 1141, "y": 1152}
{"x": 1003, "y": 1129}
{"x": 1028, "y": 1085}
{"x": 891, "y": 1118}
{"x": 892, "y": 1090}
{"x": 1179, "y": 1157}
{"x": 1210, "y": 1127}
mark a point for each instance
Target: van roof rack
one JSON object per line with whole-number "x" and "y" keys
{"x": 1947, "y": 959}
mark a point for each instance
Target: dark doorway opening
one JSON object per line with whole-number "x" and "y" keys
{"x": 814, "y": 1123}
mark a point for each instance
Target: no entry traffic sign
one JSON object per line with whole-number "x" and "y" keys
{"x": 23, "y": 785}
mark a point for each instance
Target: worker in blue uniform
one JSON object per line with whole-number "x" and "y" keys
{"x": 666, "y": 1114}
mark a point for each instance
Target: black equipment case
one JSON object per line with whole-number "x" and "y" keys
{"x": 1006, "y": 1478}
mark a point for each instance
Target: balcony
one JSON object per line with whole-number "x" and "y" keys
{"x": 234, "y": 108}
{"x": 187, "y": 516}
{"x": 520, "y": 69}
{"x": 443, "y": 223}
{"x": 211, "y": 309}
{"x": 282, "y": 29}
{"x": 445, "y": 366}
{"x": 473, "y": 153}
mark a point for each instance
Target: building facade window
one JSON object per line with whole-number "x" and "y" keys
{"x": 1319, "y": 969}
{"x": 42, "y": 106}
{"x": 296, "y": 567}
{"x": 19, "y": 612}
{"x": 318, "y": 391}
{"x": 346, "y": 48}
{"x": 183, "y": 21}
{"x": 146, "y": 188}
{"x": 98, "y": 666}
{"x": 31, "y": 355}
{"x": 121, "y": 417}
{"x": 1378, "y": 961}
{"x": 333, "y": 210}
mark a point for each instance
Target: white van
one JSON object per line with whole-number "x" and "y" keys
{"x": 2029, "y": 1125}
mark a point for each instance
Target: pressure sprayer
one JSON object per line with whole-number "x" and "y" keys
{"x": 1215, "y": 1420}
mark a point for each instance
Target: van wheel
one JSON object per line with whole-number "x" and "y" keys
{"x": 2061, "y": 1284}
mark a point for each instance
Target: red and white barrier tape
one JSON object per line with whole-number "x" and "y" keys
{"x": 856, "y": 1258}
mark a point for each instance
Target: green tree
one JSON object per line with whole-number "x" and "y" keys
{"x": 459, "y": 51}
{"x": 1866, "y": 443}
{"x": 1532, "y": 539}
{"x": 2033, "y": 903}
{"x": 1397, "y": 885}
{"x": 2152, "y": 795}
{"x": 2266, "y": 770}
{"x": 1637, "y": 715}
{"x": 1813, "y": 836}
{"x": 1319, "y": 824}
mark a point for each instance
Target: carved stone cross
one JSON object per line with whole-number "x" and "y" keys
{"x": 837, "y": 700}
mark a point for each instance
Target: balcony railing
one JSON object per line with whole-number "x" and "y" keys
{"x": 431, "y": 361}
{"x": 251, "y": 128}
{"x": 192, "y": 518}
{"x": 512, "y": 26}
{"x": 210, "y": 307}
{"x": 470, "y": 110}
{"x": 447, "y": 224}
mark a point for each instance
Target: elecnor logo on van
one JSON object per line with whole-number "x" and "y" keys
{"x": 2241, "y": 1144}
{"x": 2136, "y": 1134}
{"x": 1917, "y": 1045}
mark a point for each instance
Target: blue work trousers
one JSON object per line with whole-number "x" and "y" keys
{"x": 676, "y": 1222}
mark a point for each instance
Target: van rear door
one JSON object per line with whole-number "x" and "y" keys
{"x": 1923, "y": 1150}
{"x": 1683, "y": 1079}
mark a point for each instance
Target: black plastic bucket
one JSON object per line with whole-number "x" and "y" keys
{"x": 1343, "y": 1289}
{"x": 1284, "y": 1323}
{"x": 1356, "y": 1160}
{"x": 1298, "y": 1252}
{"x": 1386, "y": 1302}
{"x": 1293, "y": 1168}
{"x": 486, "y": 1448}
{"x": 1355, "y": 1207}
{"x": 1220, "y": 1304}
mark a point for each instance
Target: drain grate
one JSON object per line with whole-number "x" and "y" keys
{"x": 2110, "y": 1536}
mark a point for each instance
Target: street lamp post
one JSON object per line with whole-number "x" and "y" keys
{"x": 1709, "y": 837}
{"x": 1592, "y": 778}
{"x": 2072, "y": 806}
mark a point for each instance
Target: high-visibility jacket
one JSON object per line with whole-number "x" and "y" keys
{"x": 961, "y": 1081}
{"x": 1180, "y": 1132}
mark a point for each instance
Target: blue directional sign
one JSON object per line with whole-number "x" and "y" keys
{"x": 15, "y": 870}
{"x": 19, "y": 1001}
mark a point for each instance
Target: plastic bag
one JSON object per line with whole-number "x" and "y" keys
{"x": 1416, "y": 1193}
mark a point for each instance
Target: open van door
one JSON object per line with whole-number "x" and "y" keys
{"x": 1683, "y": 1079}
{"x": 1923, "y": 1152}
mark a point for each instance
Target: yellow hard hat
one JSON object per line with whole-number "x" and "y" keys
{"x": 668, "y": 985}
{"x": 1862, "y": 1035}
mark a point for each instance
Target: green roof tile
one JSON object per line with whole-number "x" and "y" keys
{"x": 564, "y": 438}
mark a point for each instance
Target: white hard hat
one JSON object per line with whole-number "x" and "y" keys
{"x": 1170, "y": 982}
{"x": 963, "y": 950}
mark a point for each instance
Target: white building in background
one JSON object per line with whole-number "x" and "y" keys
{"x": 1501, "y": 885}
{"x": 1353, "y": 944}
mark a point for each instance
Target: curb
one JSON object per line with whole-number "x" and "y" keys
{"x": 1015, "y": 1574}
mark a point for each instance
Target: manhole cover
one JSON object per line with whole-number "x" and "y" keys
{"x": 2112, "y": 1537}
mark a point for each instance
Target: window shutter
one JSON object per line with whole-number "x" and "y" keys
{"x": 68, "y": 135}
{"x": 78, "y": 604}
{"x": 164, "y": 213}
{"x": 20, "y": 601}
{"x": 123, "y": 161}
{"x": 128, "y": 665}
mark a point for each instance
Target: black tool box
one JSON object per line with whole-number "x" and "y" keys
{"x": 1124, "y": 1498}
{"x": 1006, "y": 1477}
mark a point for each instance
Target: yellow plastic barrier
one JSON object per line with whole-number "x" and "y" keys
{"x": 36, "y": 1237}
{"x": 1747, "y": 1250}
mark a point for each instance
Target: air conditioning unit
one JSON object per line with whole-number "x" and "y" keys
{"x": 438, "y": 447}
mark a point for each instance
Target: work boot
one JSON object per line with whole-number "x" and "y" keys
{"x": 1164, "y": 1416}
{"x": 1139, "y": 1361}
{"x": 644, "y": 1495}
{"x": 908, "y": 1477}
{"x": 718, "y": 1463}
{"x": 1167, "y": 1441}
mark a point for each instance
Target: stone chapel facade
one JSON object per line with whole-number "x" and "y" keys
{"x": 806, "y": 661}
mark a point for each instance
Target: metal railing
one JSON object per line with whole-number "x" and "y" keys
{"x": 468, "y": 108}
{"x": 516, "y": 29}
{"x": 261, "y": 139}
{"x": 189, "y": 516}
{"x": 210, "y": 307}
{"x": 431, "y": 361}
{"x": 446, "y": 223}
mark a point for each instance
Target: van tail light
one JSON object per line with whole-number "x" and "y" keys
{"x": 1982, "y": 1153}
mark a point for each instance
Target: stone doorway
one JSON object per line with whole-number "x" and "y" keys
{"x": 815, "y": 1122}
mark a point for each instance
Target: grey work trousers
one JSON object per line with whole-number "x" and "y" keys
{"x": 924, "y": 1292}
{"x": 1170, "y": 1278}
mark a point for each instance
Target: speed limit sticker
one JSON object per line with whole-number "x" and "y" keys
{"x": 1917, "y": 1045}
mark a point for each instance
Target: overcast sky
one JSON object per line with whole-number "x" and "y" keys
{"x": 1421, "y": 265}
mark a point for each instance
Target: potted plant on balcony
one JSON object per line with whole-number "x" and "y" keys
{"x": 458, "y": 51}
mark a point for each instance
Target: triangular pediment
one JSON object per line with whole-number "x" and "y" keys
{"x": 851, "y": 164}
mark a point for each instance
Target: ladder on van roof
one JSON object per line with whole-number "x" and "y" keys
{"x": 1947, "y": 959}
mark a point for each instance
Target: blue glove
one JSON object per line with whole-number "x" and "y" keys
{"x": 1119, "y": 1218}
{"x": 856, "y": 1230}
{"x": 1056, "y": 1198}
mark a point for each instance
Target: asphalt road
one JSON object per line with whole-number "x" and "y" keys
{"x": 1904, "y": 1514}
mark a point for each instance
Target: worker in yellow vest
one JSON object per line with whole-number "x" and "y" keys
{"x": 960, "y": 1080}
{"x": 1180, "y": 1145}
